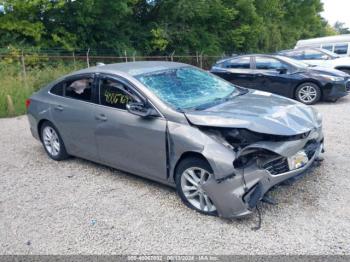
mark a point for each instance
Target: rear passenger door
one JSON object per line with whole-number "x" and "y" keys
{"x": 72, "y": 112}
{"x": 238, "y": 71}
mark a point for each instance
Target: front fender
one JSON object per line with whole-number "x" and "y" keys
{"x": 185, "y": 138}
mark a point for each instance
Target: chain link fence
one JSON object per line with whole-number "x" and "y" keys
{"x": 90, "y": 57}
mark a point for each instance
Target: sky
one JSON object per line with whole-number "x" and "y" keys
{"x": 337, "y": 10}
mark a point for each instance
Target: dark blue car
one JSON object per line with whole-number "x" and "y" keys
{"x": 284, "y": 76}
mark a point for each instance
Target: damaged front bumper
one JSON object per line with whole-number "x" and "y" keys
{"x": 238, "y": 194}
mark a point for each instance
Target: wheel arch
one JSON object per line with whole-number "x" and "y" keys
{"x": 313, "y": 81}
{"x": 189, "y": 154}
{"x": 40, "y": 124}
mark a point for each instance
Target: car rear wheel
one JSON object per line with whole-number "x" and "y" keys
{"x": 52, "y": 142}
{"x": 308, "y": 93}
{"x": 191, "y": 174}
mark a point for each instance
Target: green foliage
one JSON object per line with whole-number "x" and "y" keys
{"x": 148, "y": 27}
{"x": 161, "y": 26}
{"x": 159, "y": 41}
{"x": 19, "y": 87}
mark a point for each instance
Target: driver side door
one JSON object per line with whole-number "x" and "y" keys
{"x": 126, "y": 141}
{"x": 270, "y": 79}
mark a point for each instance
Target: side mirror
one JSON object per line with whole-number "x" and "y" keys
{"x": 140, "y": 109}
{"x": 282, "y": 70}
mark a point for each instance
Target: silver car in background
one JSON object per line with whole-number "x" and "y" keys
{"x": 222, "y": 146}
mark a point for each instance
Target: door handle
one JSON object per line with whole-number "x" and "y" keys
{"x": 101, "y": 117}
{"x": 59, "y": 108}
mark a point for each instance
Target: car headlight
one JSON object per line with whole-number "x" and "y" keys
{"x": 299, "y": 160}
{"x": 333, "y": 78}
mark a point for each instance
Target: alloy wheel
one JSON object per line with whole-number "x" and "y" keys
{"x": 192, "y": 180}
{"x": 51, "y": 141}
{"x": 307, "y": 94}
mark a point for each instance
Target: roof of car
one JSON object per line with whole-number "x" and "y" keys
{"x": 300, "y": 49}
{"x": 133, "y": 68}
{"x": 247, "y": 55}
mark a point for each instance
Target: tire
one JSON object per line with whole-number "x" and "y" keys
{"x": 308, "y": 93}
{"x": 52, "y": 142}
{"x": 195, "y": 198}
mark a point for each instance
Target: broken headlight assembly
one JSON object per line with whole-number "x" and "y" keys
{"x": 237, "y": 139}
{"x": 299, "y": 160}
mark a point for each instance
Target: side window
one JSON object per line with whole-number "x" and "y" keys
{"x": 314, "y": 55}
{"x": 57, "y": 89}
{"x": 341, "y": 49}
{"x": 295, "y": 54}
{"x": 267, "y": 63}
{"x": 239, "y": 63}
{"x": 114, "y": 94}
{"x": 328, "y": 47}
{"x": 79, "y": 89}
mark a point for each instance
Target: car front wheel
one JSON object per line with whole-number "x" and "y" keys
{"x": 308, "y": 93}
{"x": 52, "y": 142}
{"x": 191, "y": 174}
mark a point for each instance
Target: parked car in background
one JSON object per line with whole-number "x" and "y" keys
{"x": 339, "y": 44}
{"x": 223, "y": 147}
{"x": 319, "y": 57}
{"x": 284, "y": 76}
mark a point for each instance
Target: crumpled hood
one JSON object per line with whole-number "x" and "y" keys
{"x": 260, "y": 112}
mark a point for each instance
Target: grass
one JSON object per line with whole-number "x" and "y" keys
{"x": 15, "y": 88}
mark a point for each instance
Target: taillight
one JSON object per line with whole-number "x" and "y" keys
{"x": 27, "y": 103}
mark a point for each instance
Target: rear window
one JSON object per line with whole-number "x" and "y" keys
{"x": 328, "y": 47}
{"x": 79, "y": 89}
{"x": 267, "y": 63}
{"x": 238, "y": 63}
{"x": 314, "y": 55}
{"x": 294, "y": 54}
{"x": 57, "y": 89}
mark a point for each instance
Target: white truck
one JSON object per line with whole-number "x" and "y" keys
{"x": 339, "y": 44}
{"x": 319, "y": 57}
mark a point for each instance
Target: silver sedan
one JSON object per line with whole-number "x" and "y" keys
{"x": 222, "y": 146}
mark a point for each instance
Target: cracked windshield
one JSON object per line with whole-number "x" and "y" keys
{"x": 186, "y": 87}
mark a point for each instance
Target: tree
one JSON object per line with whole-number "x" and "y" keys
{"x": 161, "y": 26}
{"x": 341, "y": 28}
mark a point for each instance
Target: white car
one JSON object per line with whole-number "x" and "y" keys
{"x": 319, "y": 57}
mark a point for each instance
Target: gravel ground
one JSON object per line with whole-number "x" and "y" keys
{"x": 76, "y": 206}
